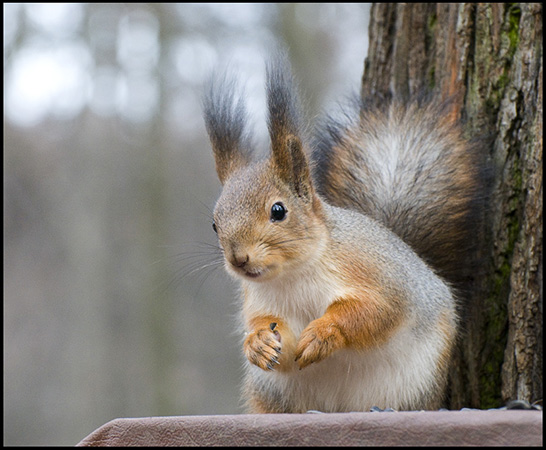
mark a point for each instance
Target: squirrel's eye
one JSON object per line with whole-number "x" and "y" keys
{"x": 278, "y": 212}
{"x": 214, "y": 227}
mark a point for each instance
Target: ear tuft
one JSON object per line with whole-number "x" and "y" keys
{"x": 284, "y": 117}
{"x": 225, "y": 119}
{"x": 285, "y": 127}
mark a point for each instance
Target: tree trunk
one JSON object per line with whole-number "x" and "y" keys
{"x": 488, "y": 57}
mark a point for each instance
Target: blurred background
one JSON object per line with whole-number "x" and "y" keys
{"x": 115, "y": 303}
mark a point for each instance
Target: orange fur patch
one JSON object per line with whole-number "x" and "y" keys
{"x": 348, "y": 323}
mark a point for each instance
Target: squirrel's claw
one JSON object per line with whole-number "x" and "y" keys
{"x": 263, "y": 349}
{"x": 317, "y": 342}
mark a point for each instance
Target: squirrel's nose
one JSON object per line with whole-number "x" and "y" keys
{"x": 239, "y": 260}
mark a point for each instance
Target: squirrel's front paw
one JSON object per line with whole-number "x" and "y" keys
{"x": 317, "y": 341}
{"x": 263, "y": 347}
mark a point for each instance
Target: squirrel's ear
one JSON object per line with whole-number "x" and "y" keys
{"x": 285, "y": 127}
{"x": 225, "y": 119}
{"x": 228, "y": 159}
{"x": 292, "y": 166}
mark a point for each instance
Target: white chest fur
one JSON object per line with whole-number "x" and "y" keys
{"x": 298, "y": 298}
{"x": 394, "y": 375}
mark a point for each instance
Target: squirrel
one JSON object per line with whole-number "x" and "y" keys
{"x": 347, "y": 247}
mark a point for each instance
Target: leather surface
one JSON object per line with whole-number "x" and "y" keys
{"x": 424, "y": 428}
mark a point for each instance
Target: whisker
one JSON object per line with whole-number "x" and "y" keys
{"x": 206, "y": 273}
{"x": 198, "y": 261}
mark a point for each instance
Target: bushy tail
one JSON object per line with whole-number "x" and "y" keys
{"x": 407, "y": 165}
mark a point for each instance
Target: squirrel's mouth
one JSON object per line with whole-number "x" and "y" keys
{"x": 252, "y": 274}
{"x": 246, "y": 272}
{"x": 255, "y": 272}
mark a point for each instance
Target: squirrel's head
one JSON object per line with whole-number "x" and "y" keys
{"x": 268, "y": 218}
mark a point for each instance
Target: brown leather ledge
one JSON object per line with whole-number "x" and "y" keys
{"x": 425, "y": 428}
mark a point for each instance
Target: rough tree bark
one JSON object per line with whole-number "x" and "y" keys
{"x": 489, "y": 57}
